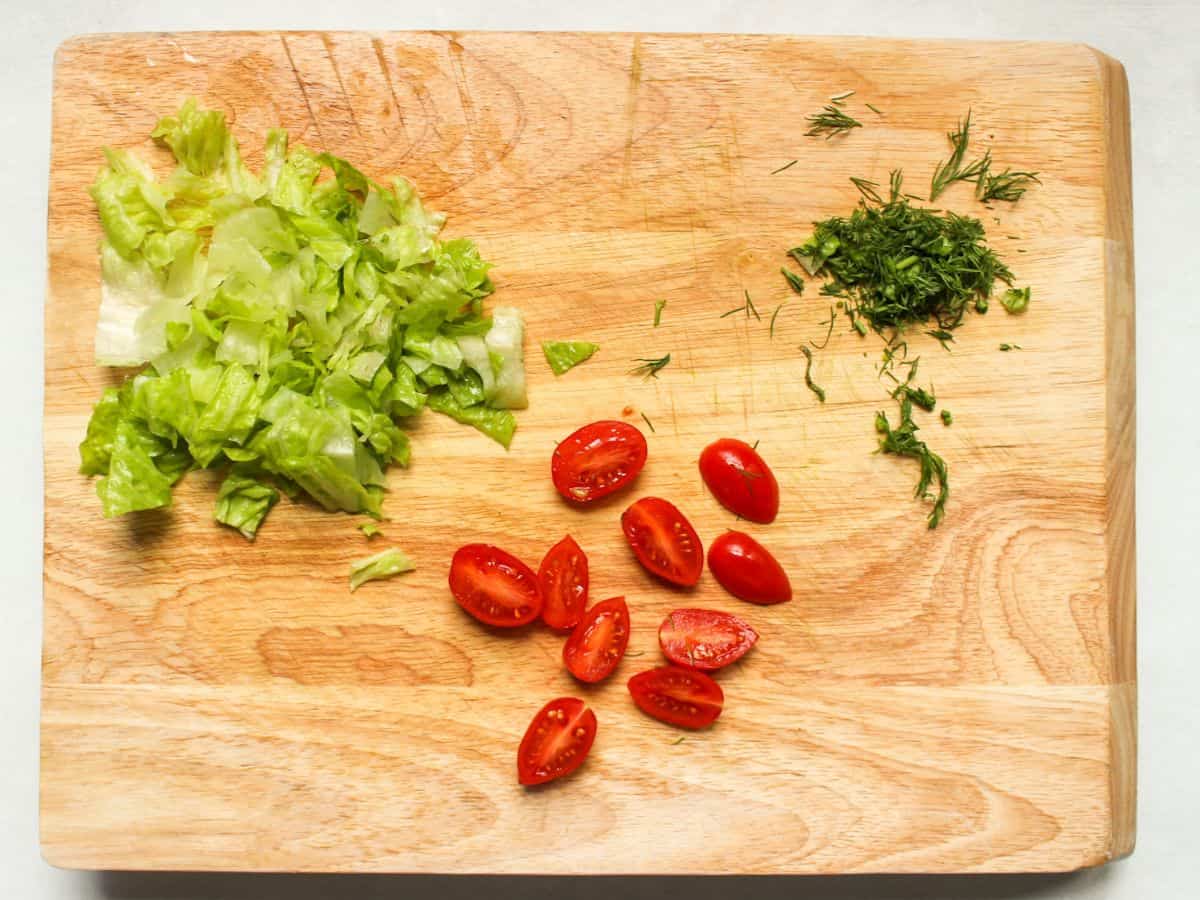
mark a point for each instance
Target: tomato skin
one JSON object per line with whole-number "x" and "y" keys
{"x": 705, "y": 639}
{"x": 597, "y": 644}
{"x": 494, "y": 586}
{"x": 597, "y": 460}
{"x": 556, "y": 742}
{"x": 664, "y": 541}
{"x": 746, "y": 569}
{"x": 678, "y": 696}
{"x": 563, "y": 583}
{"x": 740, "y": 480}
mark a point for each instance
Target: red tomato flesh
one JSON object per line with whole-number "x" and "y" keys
{"x": 599, "y": 641}
{"x": 563, "y": 583}
{"x": 704, "y": 638}
{"x": 494, "y": 586}
{"x": 746, "y": 569}
{"x": 740, "y": 480}
{"x": 682, "y": 697}
{"x": 556, "y": 742}
{"x": 664, "y": 541}
{"x": 596, "y": 460}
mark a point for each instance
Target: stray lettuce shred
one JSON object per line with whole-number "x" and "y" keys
{"x": 369, "y": 530}
{"x": 383, "y": 564}
{"x": 285, "y": 323}
{"x": 566, "y": 355}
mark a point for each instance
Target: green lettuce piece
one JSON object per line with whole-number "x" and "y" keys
{"x": 565, "y": 355}
{"x": 498, "y": 424}
{"x": 369, "y": 530}
{"x": 288, "y": 321}
{"x": 243, "y": 502}
{"x": 133, "y": 482}
{"x": 383, "y": 564}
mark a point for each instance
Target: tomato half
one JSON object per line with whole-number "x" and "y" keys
{"x": 663, "y": 540}
{"x": 556, "y": 742}
{"x": 740, "y": 480}
{"x": 596, "y": 460}
{"x": 494, "y": 586}
{"x": 746, "y": 569}
{"x": 599, "y": 641}
{"x": 678, "y": 696}
{"x": 563, "y": 583}
{"x": 704, "y": 638}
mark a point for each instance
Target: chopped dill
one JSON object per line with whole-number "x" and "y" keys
{"x": 830, "y": 121}
{"x": 785, "y": 167}
{"x": 659, "y": 305}
{"x": 867, "y": 189}
{"x": 945, "y": 338}
{"x": 650, "y": 368}
{"x": 748, "y": 308}
{"x": 649, "y": 424}
{"x": 872, "y": 109}
{"x": 1007, "y": 347}
{"x": 1008, "y": 186}
{"x": 947, "y": 417}
{"x": 1016, "y": 300}
{"x": 903, "y": 441}
{"x": 794, "y": 281}
{"x": 812, "y": 385}
{"x": 952, "y": 170}
{"x": 828, "y": 334}
{"x": 837, "y": 98}
{"x": 774, "y": 316}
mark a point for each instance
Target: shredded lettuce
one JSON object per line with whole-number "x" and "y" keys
{"x": 369, "y": 530}
{"x": 566, "y": 355}
{"x": 287, "y": 322}
{"x": 383, "y": 564}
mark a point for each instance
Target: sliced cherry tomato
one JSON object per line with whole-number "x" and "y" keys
{"x": 740, "y": 480}
{"x": 596, "y": 460}
{"x": 494, "y": 586}
{"x": 663, "y": 540}
{"x": 746, "y": 569}
{"x": 599, "y": 641}
{"x": 563, "y": 582}
{"x": 704, "y": 638}
{"x": 556, "y": 742}
{"x": 678, "y": 696}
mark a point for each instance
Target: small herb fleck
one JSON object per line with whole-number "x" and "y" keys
{"x": 1008, "y": 186}
{"x": 748, "y": 308}
{"x": 812, "y": 386}
{"x": 947, "y": 417}
{"x": 902, "y": 441}
{"x": 944, "y": 337}
{"x": 649, "y": 424}
{"x": 828, "y": 334}
{"x": 785, "y": 167}
{"x": 867, "y": 189}
{"x": 774, "y": 316}
{"x": 659, "y": 306}
{"x": 1016, "y": 300}
{"x": 678, "y": 741}
{"x": 650, "y": 368}
{"x": 369, "y": 529}
{"x": 794, "y": 280}
{"x": 842, "y": 96}
{"x": 873, "y": 109}
{"x": 1007, "y": 347}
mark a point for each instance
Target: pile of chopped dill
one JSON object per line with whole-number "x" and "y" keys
{"x": 892, "y": 266}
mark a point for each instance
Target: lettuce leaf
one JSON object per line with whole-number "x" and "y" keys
{"x": 383, "y": 564}
{"x": 566, "y": 355}
{"x": 291, "y": 319}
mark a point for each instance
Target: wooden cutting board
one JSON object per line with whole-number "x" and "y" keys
{"x": 960, "y": 699}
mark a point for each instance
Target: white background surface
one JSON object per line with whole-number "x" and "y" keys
{"x": 1157, "y": 42}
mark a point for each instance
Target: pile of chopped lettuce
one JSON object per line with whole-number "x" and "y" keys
{"x": 288, "y": 321}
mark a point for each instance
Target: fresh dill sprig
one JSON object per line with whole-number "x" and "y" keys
{"x": 785, "y": 167}
{"x": 650, "y": 368}
{"x": 1008, "y": 186}
{"x": 812, "y": 385}
{"x": 921, "y": 397}
{"x": 867, "y": 189}
{"x": 794, "y": 281}
{"x": 945, "y": 338}
{"x": 903, "y": 441}
{"x": 830, "y": 121}
{"x": 748, "y": 308}
{"x": 649, "y": 424}
{"x": 659, "y": 305}
{"x": 828, "y": 334}
{"x": 952, "y": 170}
{"x": 774, "y": 316}
{"x": 1007, "y": 347}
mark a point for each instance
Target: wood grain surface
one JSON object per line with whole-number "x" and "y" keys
{"x": 960, "y": 699}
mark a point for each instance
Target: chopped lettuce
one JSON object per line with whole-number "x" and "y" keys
{"x": 566, "y": 355}
{"x": 243, "y": 502}
{"x": 288, "y": 321}
{"x": 369, "y": 530}
{"x": 383, "y": 564}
